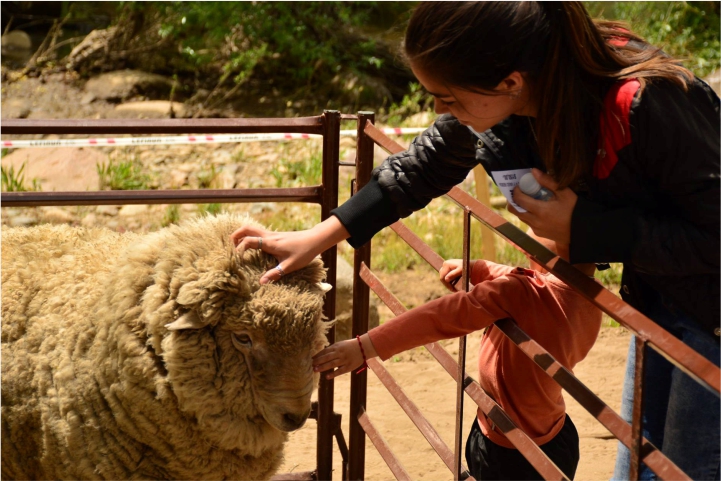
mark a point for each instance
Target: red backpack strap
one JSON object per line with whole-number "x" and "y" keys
{"x": 615, "y": 132}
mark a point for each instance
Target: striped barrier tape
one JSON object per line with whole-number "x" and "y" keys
{"x": 182, "y": 139}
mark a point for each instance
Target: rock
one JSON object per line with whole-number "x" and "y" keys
{"x": 16, "y": 108}
{"x": 124, "y": 84}
{"x": 225, "y": 180}
{"x": 15, "y": 40}
{"x": 153, "y": 108}
{"x": 58, "y": 168}
{"x": 260, "y": 207}
{"x": 132, "y": 209}
{"x": 23, "y": 221}
{"x": 178, "y": 178}
{"x": 110, "y": 210}
{"x": 57, "y": 215}
{"x": 344, "y": 302}
{"x": 221, "y": 157}
{"x": 89, "y": 220}
{"x": 88, "y": 98}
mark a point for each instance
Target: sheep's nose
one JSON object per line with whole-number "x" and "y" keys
{"x": 294, "y": 421}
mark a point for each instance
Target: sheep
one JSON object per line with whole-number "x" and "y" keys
{"x": 156, "y": 356}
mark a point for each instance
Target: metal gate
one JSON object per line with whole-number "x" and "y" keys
{"x": 648, "y": 333}
{"x": 325, "y": 195}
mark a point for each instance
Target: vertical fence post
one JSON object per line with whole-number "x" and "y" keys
{"x": 637, "y": 419}
{"x": 331, "y": 152}
{"x": 460, "y": 388}
{"x": 361, "y": 293}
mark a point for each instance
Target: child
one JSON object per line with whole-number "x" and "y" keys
{"x": 549, "y": 311}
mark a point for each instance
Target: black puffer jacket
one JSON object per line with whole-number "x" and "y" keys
{"x": 651, "y": 202}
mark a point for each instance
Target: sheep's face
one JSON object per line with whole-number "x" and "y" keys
{"x": 279, "y": 331}
{"x": 251, "y": 365}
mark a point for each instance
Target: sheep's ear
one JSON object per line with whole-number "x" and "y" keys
{"x": 324, "y": 287}
{"x": 189, "y": 320}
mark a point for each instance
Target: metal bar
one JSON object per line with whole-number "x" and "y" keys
{"x": 415, "y": 415}
{"x": 361, "y": 295}
{"x": 418, "y": 245}
{"x": 669, "y": 346}
{"x": 488, "y": 406}
{"x": 342, "y": 446}
{"x": 381, "y": 445}
{"x": 675, "y": 351}
{"x": 117, "y": 197}
{"x": 302, "y": 125}
{"x": 382, "y": 139}
{"x": 331, "y": 150}
{"x": 637, "y": 415}
{"x": 650, "y": 455}
{"x": 462, "y": 350}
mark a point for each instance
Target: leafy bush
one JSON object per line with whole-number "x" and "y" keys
{"x": 685, "y": 30}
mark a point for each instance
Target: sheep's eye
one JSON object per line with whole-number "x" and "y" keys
{"x": 241, "y": 341}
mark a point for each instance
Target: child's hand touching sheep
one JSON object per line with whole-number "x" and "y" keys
{"x": 344, "y": 356}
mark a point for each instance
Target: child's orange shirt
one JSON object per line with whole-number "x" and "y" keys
{"x": 549, "y": 311}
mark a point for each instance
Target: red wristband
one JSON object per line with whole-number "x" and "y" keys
{"x": 365, "y": 361}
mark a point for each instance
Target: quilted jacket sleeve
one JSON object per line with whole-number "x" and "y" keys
{"x": 436, "y": 160}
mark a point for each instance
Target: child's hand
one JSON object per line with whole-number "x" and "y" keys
{"x": 451, "y": 272}
{"x": 343, "y": 356}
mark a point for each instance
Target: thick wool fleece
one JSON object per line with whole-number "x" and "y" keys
{"x": 95, "y": 386}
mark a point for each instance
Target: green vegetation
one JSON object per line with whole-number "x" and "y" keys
{"x": 123, "y": 175}
{"x": 206, "y": 177}
{"x": 171, "y": 215}
{"x": 15, "y": 181}
{"x": 304, "y": 171}
{"x": 210, "y": 209}
{"x": 685, "y": 30}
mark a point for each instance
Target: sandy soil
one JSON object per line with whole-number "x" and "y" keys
{"x": 433, "y": 391}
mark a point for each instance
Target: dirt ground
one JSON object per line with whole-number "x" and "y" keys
{"x": 433, "y": 391}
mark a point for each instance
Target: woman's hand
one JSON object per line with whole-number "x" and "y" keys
{"x": 344, "y": 356}
{"x": 294, "y": 250}
{"x": 451, "y": 271}
{"x": 552, "y": 218}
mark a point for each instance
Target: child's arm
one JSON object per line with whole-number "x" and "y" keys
{"x": 447, "y": 317}
{"x": 343, "y": 356}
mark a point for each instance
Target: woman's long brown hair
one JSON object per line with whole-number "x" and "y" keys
{"x": 565, "y": 56}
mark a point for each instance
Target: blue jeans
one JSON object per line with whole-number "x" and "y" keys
{"x": 680, "y": 416}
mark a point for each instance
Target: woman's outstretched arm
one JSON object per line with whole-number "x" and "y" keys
{"x": 294, "y": 250}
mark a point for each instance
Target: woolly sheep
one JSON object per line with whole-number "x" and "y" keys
{"x": 153, "y": 356}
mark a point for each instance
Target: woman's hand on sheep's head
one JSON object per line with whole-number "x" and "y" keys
{"x": 294, "y": 250}
{"x": 344, "y": 356}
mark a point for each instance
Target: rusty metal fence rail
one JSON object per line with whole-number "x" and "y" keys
{"x": 325, "y": 195}
{"x": 648, "y": 333}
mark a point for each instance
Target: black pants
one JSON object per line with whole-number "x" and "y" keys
{"x": 487, "y": 460}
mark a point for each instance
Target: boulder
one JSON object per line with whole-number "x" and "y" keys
{"x": 153, "y": 108}
{"x": 123, "y": 84}
{"x": 16, "y": 41}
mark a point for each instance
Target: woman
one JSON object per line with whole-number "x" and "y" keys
{"x": 627, "y": 140}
